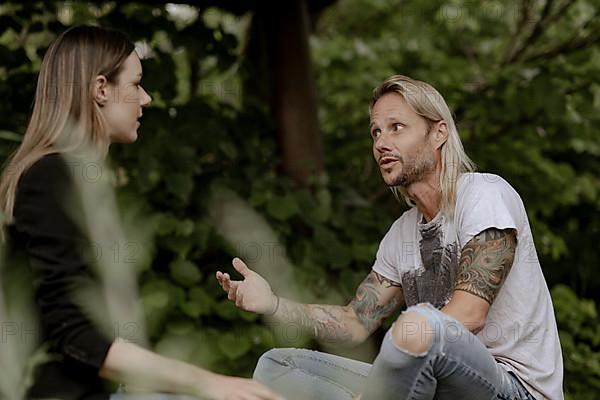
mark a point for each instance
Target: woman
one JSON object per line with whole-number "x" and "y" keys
{"x": 88, "y": 96}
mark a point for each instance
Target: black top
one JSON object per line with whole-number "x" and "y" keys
{"x": 46, "y": 234}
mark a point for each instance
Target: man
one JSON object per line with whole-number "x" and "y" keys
{"x": 479, "y": 323}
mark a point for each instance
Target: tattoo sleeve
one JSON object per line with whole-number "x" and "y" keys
{"x": 326, "y": 323}
{"x": 376, "y": 298}
{"x": 485, "y": 261}
{"x": 370, "y": 305}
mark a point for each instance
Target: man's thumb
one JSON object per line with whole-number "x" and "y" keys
{"x": 241, "y": 267}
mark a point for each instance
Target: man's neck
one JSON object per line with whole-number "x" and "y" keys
{"x": 426, "y": 194}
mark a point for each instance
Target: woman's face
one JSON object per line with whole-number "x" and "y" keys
{"x": 126, "y": 99}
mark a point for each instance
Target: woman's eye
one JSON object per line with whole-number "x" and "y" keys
{"x": 397, "y": 127}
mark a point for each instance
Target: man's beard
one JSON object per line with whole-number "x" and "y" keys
{"x": 414, "y": 170}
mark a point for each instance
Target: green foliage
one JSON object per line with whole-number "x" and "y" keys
{"x": 529, "y": 118}
{"x": 532, "y": 119}
{"x": 525, "y": 93}
{"x": 579, "y": 330}
{"x": 191, "y": 139}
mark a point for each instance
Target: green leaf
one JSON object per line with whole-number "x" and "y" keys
{"x": 10, "y": 136}
{"x": 156, "y": 299}
{"x": 185, "y": 227}
{"x": 194, "y": 309}
{"x": 180, "y": 327}
{"x": 282, "y": 207}
{"x": 227, "y": 310}
{"x": 180, "y": 185}
{"x": 179, "y": 245}
{"x": 248, "y": 316}
{"x": 200, "y": 303}
{"x": 164, "y": 223}
{"x": 234, "y": 346}
{"x": 185, "y": 272}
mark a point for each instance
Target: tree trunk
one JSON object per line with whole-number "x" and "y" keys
{"x": 281, "y": 30}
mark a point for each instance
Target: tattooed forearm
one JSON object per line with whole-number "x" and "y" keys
{"x": 376, "y": 298}
{"x": 368, "y": 304}
{"x": 325, "y": 323}
{"x": 485, "y": 262}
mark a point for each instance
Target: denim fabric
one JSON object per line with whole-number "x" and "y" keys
{"x": 456, "y": 366}
{"x": 307, "y": 374}
{"x": 149, "y": 396}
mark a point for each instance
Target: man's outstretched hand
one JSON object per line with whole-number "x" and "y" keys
{"x": 252, "y": 293}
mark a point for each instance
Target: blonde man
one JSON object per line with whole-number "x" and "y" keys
{"x": 479, "y": 322}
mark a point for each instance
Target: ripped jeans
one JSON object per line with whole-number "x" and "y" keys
{"x": 150, "y": 396}
{"x": 455, "y": 366}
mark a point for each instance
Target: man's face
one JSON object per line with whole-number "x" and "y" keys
{"x": 402, "y": 146}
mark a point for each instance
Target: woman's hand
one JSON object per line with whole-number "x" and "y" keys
{"x": 135, "y": 366}
{"x": 221, "y": 387}
{"x": 253, "y": 293}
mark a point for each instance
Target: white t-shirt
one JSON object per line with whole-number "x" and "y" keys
{"x": 520, "y": 331}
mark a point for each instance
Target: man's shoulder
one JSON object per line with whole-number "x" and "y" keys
{"x": 482, "y": 181}
{"x": 487, "y": 193}
{"x": 479, "y": 178}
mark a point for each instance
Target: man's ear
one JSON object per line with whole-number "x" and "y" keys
{"x": 440, "y": 133}
{"x": 100, "y": 90}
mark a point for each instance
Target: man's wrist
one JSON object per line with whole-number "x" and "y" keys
{"x": 276, "y": 301}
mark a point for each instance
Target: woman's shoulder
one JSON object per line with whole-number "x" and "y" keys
{"x": 47, "y": 163}
{"x": 47, "y": 178}
{"x": 50, "y": 169}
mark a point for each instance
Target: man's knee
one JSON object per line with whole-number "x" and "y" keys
{"x": 269, "y": 362}
{"x": 413, "y": 333}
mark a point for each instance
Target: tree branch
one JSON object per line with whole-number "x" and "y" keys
{"x": 514, "y": 41}
{"x": 568, "y": 46}
{"x": 534, "y": 35}
{"x": 561, "y": 10}
{"x": 574, "y": 43}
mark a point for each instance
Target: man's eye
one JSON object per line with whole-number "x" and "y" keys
{"x": 375, "y": 132}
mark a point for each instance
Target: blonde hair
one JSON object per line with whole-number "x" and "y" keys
{"x": 429, "y": 104}
{"x": 65, "y": 118}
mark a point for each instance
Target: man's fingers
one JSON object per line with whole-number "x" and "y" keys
{"x": 231, "y": 295}
{"x": 238, "y": 299}
{"x": 225, "y": 282}
{"x": 220, "y": 279}
{"x": 241, "y": 267}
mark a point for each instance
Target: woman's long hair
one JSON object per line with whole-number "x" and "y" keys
{"x": 66, "y": 119}
{"x": 429, "y": 104}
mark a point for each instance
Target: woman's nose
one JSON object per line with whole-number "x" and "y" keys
{"x": 146, "y": 99}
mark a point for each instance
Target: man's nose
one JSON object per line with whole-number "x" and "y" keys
{"x": 382, "y": 144}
